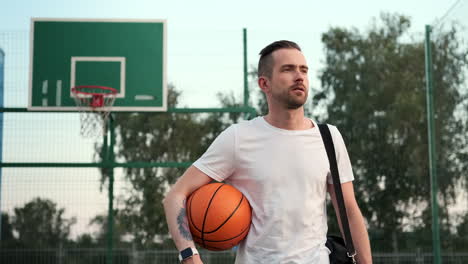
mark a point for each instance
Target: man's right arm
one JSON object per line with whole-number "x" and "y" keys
{"x": 174, "y": 207}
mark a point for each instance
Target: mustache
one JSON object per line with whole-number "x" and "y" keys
{"x": 298, "y": 86}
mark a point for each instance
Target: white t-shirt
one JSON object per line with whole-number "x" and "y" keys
{"x": 283, "y": 174}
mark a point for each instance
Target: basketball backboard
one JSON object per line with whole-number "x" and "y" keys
{"x": 128, "y": 55}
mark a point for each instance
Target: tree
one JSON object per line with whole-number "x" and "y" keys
{"x": 374, "y": 87}
{"x": 40, "y": 224}
{"x": 100, "y": 237}
{"x": 7, "y": 239}
{"x": 462, "y": 235}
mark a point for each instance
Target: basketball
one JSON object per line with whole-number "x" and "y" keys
{"x": 219, "y": 216}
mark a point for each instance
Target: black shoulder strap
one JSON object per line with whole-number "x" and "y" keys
{"x": 330, "y": 148}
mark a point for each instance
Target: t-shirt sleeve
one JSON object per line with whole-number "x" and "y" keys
{"x": 344, "y": 164}
{"x": 219, "y": 159}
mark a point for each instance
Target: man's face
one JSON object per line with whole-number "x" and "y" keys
{"x": 289, "y": 82}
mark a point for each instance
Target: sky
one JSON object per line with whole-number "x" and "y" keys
{"x": 204, "y": 57}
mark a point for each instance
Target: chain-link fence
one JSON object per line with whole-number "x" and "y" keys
{"x": 61, "y": 204}
{"x": 129, "y": 256}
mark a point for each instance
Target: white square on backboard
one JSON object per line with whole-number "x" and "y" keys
{"x": 74, "y": 60}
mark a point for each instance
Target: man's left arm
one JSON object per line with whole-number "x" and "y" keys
{"x": 356, "y": 222}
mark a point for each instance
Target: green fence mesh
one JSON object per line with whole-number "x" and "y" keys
{"x": 55, "y": 184}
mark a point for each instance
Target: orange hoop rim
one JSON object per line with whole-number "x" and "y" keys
{"x": 79, "y": 90}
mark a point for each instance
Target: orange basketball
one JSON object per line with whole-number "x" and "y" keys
{"x": 219, "y": 216}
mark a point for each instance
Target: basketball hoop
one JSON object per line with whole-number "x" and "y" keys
{"x": 94, "y": 103}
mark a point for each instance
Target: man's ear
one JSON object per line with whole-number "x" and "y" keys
{"x": 264, "y": 84}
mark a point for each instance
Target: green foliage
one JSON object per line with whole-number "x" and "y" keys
{"x": 40, "y": 224}
{"x": 7, "y": 239}
{"x": 374, "y": 86}
{"x": 7, "y": 229}
{"x": 461, "y": 239}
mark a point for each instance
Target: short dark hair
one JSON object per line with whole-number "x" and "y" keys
{"x": 265, "y": 64}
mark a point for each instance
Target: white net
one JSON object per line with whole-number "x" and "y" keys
{"x": 94, "y": 104}
{"x": 93, "y": 124}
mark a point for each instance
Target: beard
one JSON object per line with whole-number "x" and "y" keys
{"x": 290, "y": 100}
{"x": 295, "y": 102}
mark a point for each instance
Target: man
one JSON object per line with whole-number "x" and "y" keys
{"x": 279, "y": 163}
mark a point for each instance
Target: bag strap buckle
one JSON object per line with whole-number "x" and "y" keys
{"x": 352, "y": 256}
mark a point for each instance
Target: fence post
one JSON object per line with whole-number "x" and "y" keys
{"x": 432, "y": 148}
{"x": 246, "y": 73}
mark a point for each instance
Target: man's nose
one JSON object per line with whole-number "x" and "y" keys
{"x": 299, "y": 76}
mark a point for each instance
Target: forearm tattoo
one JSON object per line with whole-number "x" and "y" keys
{"x": 183, "y": 224}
